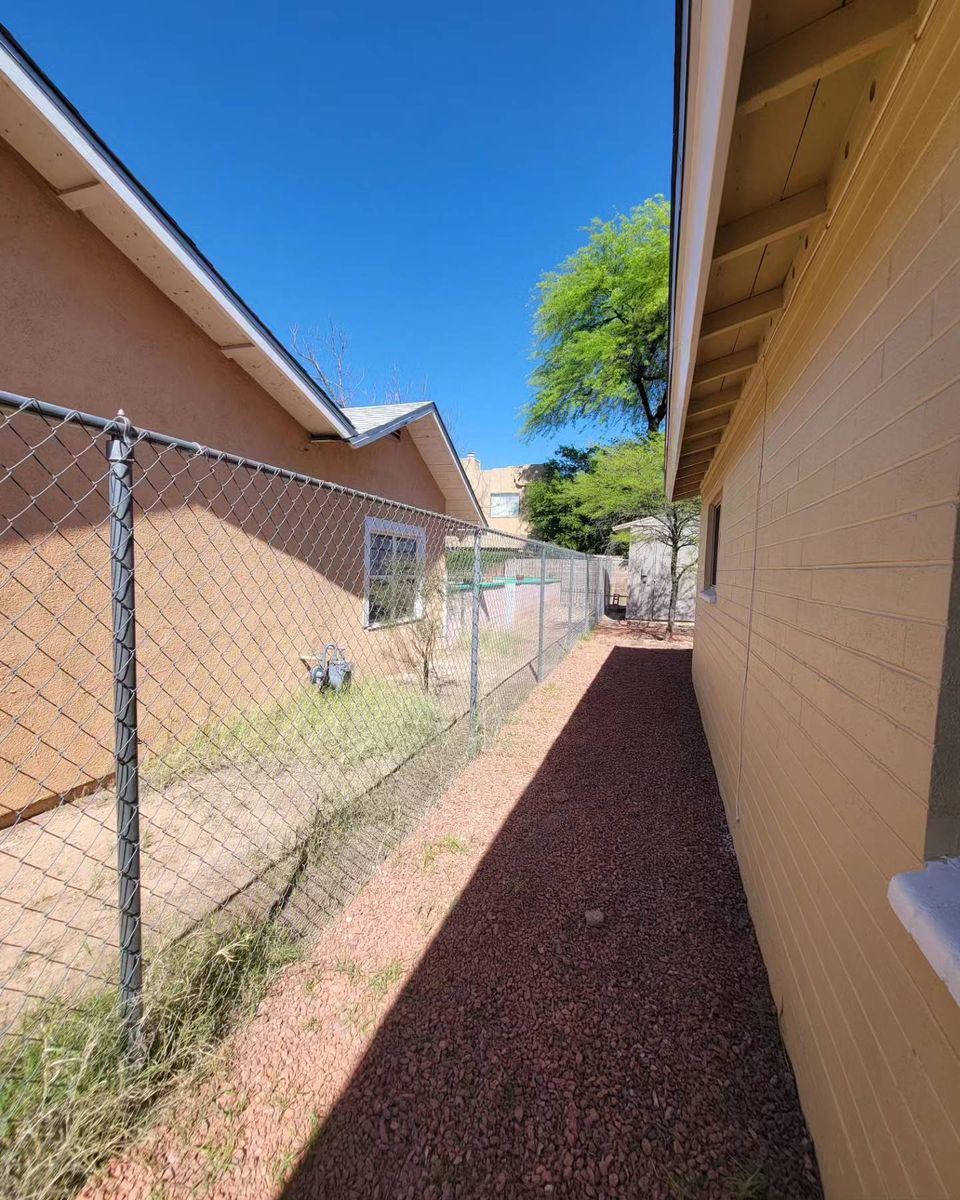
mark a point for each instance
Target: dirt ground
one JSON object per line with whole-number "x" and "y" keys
{"x": 462, "y": 1031}
{"x": 205, "y": 839}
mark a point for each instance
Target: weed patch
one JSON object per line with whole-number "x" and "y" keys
{"x": 383, "y": 980}
{"x": 70, "y": 1100}
{"x": 448, "y": 845}
{"x": 374, "y": 719}
{"x": 350, "y": 968}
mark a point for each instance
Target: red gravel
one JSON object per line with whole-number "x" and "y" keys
{"x": 526, "y": 1053}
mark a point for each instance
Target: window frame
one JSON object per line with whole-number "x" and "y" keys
{"x": 396, "y": 529}
{"x": 711, "y": 557}
{"x": 505, "y": 516}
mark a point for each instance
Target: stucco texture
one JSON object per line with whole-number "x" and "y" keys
{"x": 236, "y": 574}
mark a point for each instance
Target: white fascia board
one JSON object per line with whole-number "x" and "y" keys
{"x": 717, "y": 36}
{"x": 359, "y": 440}
{"x": 451, "y": 449}
{"x": 427, "y": 409}
{"x": 45, "y": 101}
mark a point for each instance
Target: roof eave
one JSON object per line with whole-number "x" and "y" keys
{"x": 427, "y": 409}
{"x": 59, "y": 115}
{"x": 710, "y": 48}
{"x": 359, "y": 440}
{"x": 468, "y": 486}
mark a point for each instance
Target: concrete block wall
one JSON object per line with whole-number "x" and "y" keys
{"x": 819, "y": 668}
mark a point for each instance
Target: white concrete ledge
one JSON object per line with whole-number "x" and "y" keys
{"x": 928, "y": 904}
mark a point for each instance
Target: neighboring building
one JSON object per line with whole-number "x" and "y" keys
{"x": 814, "y": 404}
{"x": 648, "y": 574}
{"x": 500, "y": 493}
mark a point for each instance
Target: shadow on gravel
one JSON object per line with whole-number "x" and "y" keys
{"x": 532, "y": 1055}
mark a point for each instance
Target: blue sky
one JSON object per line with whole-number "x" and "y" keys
{"x": 407, "y": 171}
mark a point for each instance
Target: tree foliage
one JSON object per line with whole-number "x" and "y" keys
{"x": 549, "y": 506}
{"x": 582, "y": 494}
{"x": 601, "y": 328}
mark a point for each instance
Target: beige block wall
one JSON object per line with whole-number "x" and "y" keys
{"x": 839, "y": 486}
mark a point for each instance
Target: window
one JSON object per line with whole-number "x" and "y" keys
{"x": 712, "y": 549}
{"x": 394, "y": 559}
{"x": 505, "y": 504}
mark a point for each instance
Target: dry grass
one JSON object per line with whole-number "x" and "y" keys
{"x": 372, "y": 719}
{"x": 70, "y": 1098}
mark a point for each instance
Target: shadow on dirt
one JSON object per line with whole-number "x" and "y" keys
{"x": 530, "y": 1054}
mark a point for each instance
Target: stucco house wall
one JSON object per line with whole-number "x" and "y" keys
{"x": 491, "y": 481}
{"x": 82, "y": 327}
{"x": 231, "y": 589}
{"x": 820, "y": 667}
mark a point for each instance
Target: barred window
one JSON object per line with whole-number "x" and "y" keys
{"x": 394, "y": 560}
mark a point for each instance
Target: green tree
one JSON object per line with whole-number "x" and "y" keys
{"x": 583, "y": 494}
{"x": 549, "y": 507}
{"x": 624, "y": 481}
{"x": 601, "y": 328}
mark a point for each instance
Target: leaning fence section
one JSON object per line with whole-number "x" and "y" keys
{"x": 227, "y": 691}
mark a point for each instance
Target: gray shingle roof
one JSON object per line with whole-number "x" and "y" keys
{"x": 366, "y": 419}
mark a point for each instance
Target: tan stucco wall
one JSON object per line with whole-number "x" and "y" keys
{"x": 487, "y": 481}
{"x": 83, "y": 328}
{"x": 839, "y": 485}
{"x": 231, "y": 588}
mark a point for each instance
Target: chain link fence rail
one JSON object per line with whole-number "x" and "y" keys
{"x": 228, "y": 690}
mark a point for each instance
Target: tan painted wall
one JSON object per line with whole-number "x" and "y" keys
{"x": 839, "y": 484}
{"x": 231, "y": 588}
{"x": 83, "y": 328}
{"x": 499, "y": 479}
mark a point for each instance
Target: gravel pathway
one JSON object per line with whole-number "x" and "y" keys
{"x": 461, "y": 1031}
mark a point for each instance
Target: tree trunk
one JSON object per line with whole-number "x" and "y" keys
{"x": 674, "y": 588}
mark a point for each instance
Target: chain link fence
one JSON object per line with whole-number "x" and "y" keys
{"x": 227, "y": 691}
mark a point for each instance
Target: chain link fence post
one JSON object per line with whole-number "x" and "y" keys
{"x": 120, "y": 453}
{"x": 601, "y": 588}
{"x": 566, "y": 640}
{"x": 475, "y": 636}
{"x": 586, "y": 593}
{"x": 543, "y": 590}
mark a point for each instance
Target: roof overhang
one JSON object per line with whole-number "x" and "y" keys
{"x": 433, "y": 442}
{"x": 46, "y": 130}
{"x": 712, "y": 34}
{"x": 775, "y": 104}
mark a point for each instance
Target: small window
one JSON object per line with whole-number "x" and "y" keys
{"x": 505, "y": 504}
{"x": 394, "y": 559}
{"x": 712, "y": 547}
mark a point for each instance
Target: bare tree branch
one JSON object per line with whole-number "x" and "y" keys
{"x": 325, "y": 355}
